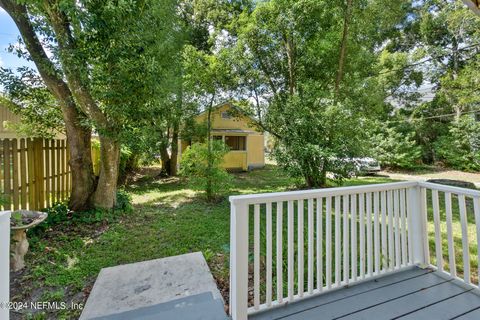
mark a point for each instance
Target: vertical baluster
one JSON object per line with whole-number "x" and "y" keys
{"x": 279, "y": 252}
{"x": 256, "y": 257}
{"x": 410, "y": 200}
{"x": 319, "y": 244}
{"x": 346, "y": 263}
{"x": 423, "y": 213}
{"x": 338, "y": 246}
{"x": 300, "y": 247}
{"x": 328, "y": 247}
{"x": 369, "y": 234}
{"x": 290, "y": 251}
{"x": 376, "y": 232}
{"x": 353, "y": 212}
{"x": 476, "y": 209}
{"x": 383, "y": 197}
{"x": 361, "y": 207}
{"x": 451, "y": 246}
{"x": 269, "y": 255}
{"x": 396, "y": 209}
{"x": 391, "y": 256}
{"x": 310, "y": 246}
{"x": 463, "y": 221}
{"x": 404, "y": 228}
{"x": 438, "y": 237}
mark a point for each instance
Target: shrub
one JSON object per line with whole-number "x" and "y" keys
{"x": 57, "y": 213}
{"x": 460, "y": 149}
{"x": 213, "y": 179}
{"x": 124, "y": 201}
{"x": 396, "y": 149}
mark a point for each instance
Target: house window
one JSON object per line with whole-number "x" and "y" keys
{"x": 237, "y": 143}
{"x": 226, "y": 115}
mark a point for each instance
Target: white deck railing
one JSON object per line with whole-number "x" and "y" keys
{"x": 4, "y": 263}
{"x": 290, "y": 245}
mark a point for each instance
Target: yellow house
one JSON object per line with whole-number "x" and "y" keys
{"x": 234, "y": 128}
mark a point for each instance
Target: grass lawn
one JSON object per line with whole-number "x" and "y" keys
{"x": 168, "y": 219}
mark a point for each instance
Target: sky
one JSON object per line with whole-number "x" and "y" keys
{"x": 8, "y": 35}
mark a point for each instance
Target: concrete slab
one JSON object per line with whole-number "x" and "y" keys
{"x": 197, "y": 307}
{"x": 151, "y": 283}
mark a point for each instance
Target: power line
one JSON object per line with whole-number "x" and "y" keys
{"x": 434, "y": 117}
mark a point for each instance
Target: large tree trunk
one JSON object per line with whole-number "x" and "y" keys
{"x": 106, "y": 191}
{"x": 79, "y": 141}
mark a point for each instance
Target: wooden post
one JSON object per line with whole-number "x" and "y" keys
{"x": 23, "y": 173}
{"x": 32, "y": 199}
{"x": 239, "y": 261}
{"x": 16, "y": 195}
{"x": 39, "y": 173}
{"x": 47, "y": 172}
{"x": 4, "y": 263}
{"x": 59, "y": 172}
{"x": 7, "y": 189}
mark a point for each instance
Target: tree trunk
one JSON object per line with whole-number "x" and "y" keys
{"x": 209, "y": 187}
{"x": 79, "y": 141}
{"x": 166, "y": 161}
{"x": 105, "y": 193}
{"x": 454, "y": 100}
{"x": 174, "y": 156}
{"x": 343, "y": 47}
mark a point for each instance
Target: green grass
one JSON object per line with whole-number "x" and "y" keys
{"x": 168, "y": 219}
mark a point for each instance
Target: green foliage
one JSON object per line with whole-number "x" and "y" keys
{"x": 124, "y": 201}
{"x": 460, "y": 149}
{"x": 286, "y": 61}
{"x": 26, "y": 96}
{"x": 319, "y": 139}
{"x": 213, "y": 179}
{"x": 394, "y": 148}
{"x": 57, "y": 213}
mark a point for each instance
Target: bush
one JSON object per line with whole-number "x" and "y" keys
{"x": 57, "y": 213}
{"x": 396, "y": 149}
{"x": 124, "y": 201}
{"x": 460, "y": 149}
{"x": 212, "y": 179}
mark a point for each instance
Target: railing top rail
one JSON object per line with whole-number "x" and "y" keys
{"x": 451, "y": 189}
{"x": 327, "y": 192}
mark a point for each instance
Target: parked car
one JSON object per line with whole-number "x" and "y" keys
{"x": 366, "y": 165}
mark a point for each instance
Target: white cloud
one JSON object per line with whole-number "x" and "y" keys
{"x": 1, "y": 62}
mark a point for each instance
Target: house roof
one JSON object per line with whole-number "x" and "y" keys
{"x": 233, "y": 131}
{"x": 231, "y": 105}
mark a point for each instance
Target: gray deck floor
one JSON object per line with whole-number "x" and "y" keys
{"x": 412, "y": 294}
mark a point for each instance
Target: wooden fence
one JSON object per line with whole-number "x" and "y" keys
{"x": 34, "y": 173}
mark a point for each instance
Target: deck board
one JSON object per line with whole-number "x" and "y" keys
{"x": 447, "y": 309}
{"x": 411, "y": 294}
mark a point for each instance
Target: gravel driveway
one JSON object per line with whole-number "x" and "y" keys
{"x": 440, "y": 174}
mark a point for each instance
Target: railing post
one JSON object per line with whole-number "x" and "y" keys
{"x": 238, "y": 260}
{"x": 417, "y": 224}
{"x": 4, "y": 263}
